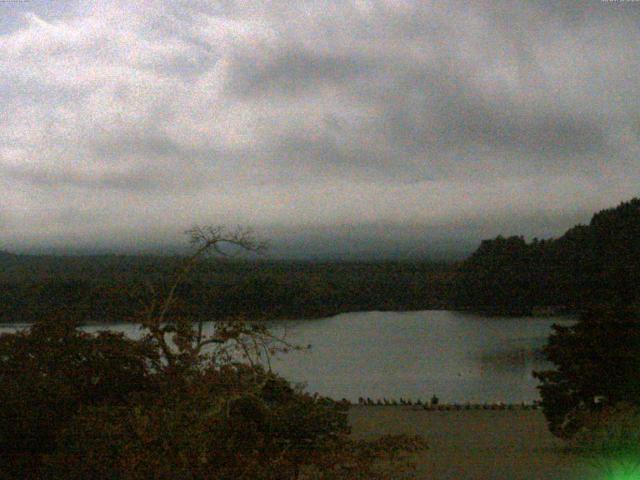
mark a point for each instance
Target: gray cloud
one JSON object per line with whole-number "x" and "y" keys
{"x": 296, "y": 116}
{"x": 134, "y": 181}
{"x": 293, "y": 72}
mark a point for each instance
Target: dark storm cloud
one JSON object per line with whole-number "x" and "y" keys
{"x": 437, "y": 111}
{"x": 146, "y": 146}
{"x": 293, "y": 72}
{"x": 132, "y": 181}
{"x": 522, "y": 130}
{"x": 410, "y": 115}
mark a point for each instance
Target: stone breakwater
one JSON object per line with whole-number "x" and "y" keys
{"x": 436, "y": 406}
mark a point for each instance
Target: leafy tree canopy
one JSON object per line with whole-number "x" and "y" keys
{"x": 589, "y": 264}
{"x": 175, "y": 404}
{"x": 597, "y": 361}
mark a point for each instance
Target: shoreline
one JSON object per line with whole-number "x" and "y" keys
{"x": 330, "y": 314}
{"x": 418, "y": 405}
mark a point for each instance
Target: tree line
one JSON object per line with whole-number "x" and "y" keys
{"x": 111, "y": 288}
{"x": 590, "y": 264}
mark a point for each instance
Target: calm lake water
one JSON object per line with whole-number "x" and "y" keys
{"x": 459, "y": 357}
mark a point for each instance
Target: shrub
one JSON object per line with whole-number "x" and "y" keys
{"x": 214, "y": 420}
{"x": 48, "y": 373}
{"x": 175, "y": 404}
{"x": 226, "y": 436}
{"x": 597, "y": 362}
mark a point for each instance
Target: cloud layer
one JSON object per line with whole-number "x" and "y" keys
{"x": 123, "y": 123}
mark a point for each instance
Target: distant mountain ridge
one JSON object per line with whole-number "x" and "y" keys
{"x": 594, "y": 263}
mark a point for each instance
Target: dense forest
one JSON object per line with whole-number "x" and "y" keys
{"x": 594, "y": 263}
{"x": 116, "y": 288}
{"x": 589, "y": 265}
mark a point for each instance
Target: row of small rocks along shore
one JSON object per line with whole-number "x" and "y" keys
{"x": 435, "y": 405}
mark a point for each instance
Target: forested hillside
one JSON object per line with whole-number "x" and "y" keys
{"x": 594, "y": 263}
{"x": 589, "y": 264}
{"x": 117, "y": 288}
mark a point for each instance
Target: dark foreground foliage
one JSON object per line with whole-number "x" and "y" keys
{"x": 76, "y": 405}
{"x": 597, "y": 363}
{"x": 176, "y": 404}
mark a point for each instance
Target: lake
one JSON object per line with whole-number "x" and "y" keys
{"x": 460, "y": 357}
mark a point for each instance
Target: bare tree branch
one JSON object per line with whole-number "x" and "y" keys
{"x": 190, "y": 343}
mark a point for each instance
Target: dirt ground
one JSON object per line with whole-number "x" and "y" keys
{"x": 476, "y": 444}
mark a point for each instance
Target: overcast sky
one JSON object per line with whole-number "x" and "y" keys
{"x": 329, "y": 126}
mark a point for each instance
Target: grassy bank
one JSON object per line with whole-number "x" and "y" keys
{"x": 476, "y": 444}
